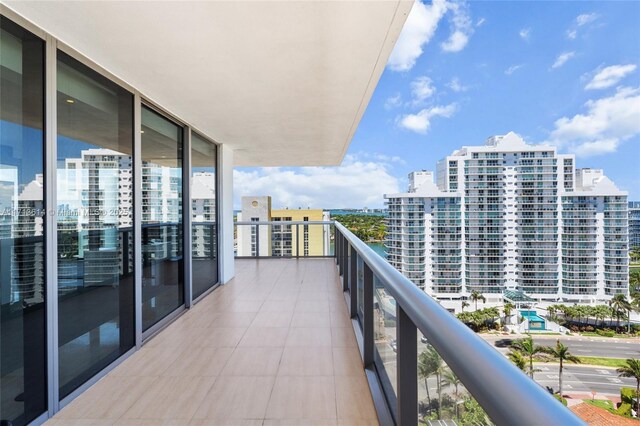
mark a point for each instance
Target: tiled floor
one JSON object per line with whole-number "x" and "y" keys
{"x": 275, "y": 346}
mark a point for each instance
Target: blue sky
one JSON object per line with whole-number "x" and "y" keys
{"x": 564, "y": 73}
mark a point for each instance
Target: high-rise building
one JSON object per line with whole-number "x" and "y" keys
{"x": 634, "y": 224}
{"x": 281, "y": 240}
{"x": 511, "y": 216}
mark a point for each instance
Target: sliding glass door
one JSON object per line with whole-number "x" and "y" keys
{"x": 204, "y": 233}
{"x": 23, "y": 363}
{"x": 95, "y": 219}
{"x": 162, "y": 241}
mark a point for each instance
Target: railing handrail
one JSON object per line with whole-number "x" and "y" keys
{"x": 507, "y": 395}
{"x": 291, "y": 222}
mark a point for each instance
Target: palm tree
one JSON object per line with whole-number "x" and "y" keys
{"x": 464, "y": 305}
{"x": 507, "y": 309}
{"x": 518, "y": 359}
{"x": 434, "y": 360}
{"x": 528, "y": 349}
{"x": 632, "y": 369}
{"x": 619, "y": 304}
{"x": 475, "y": 296}
{"x": 561, "y": 352}
{"x": 551, "y": 312}
{"x": 426, "y": 369}
{"x": 634, "y": 281}
{"x": 449, "y": 378}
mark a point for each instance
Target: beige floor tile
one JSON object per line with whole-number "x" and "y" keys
{"x": 309, "y": 336}
{"x": 358, "y": 422}
{"x": 354, "y": 398}
{"x": 273, "y": 319}
{"x": 232, "y": 319}
{"x": 310, "y": 319}
{"x": 152, "y": 422}
{"x": 306, "y": 361}
{"x": 79, "y": 422}
{"x": 197, "y": 362}
{"x": 340, "y": 319}
{"x": 171, "y": 398}
{"x": 347, "y": 362}
{"x": 108, "y": 399}
{"x": 343, "y": 337}
{"x": 249, "y": 361}
{"x": 312, "y": 306}
{"x": 277, "y": 306}
{"x": 302, "y": 398}
{"x": 226, "y": 422}
{"x": 235, "y": 397}
{"x": 265, "y": 337}
{"x": 148, "y": 361}
{"x": 298, "y": 422}
{"x": 226, "y": 337}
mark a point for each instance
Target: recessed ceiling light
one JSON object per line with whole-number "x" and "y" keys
{"x": 71, "y": 101}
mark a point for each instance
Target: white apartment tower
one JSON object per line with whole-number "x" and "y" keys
{"x": 511, "y": 216}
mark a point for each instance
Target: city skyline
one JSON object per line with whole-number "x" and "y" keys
{"x": 564, "y": 73}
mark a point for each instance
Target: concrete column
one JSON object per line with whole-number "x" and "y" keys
{"x": 225, "y": 198}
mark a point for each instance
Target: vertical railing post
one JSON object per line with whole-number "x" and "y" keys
{"x": 345, "y": 264}
{"x": 297, "y": 240}
{"x": 367, "y": 323}
{"x": 353, "y": 281}
{"x": 407, "y": 369}
{"x": 257, "y": 240}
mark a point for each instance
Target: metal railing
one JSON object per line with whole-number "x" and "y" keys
{"x": 374, "y": 289}
{"x": 288, "y": 239}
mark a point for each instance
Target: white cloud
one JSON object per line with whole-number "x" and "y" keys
{"x": 421, "y": 89}
{"x": 562, "y": 59}
{"x": 456, "y": 86}
{"x": 581, "y": 20}
{"x": 393, "y": 101}
{"x": 357, "y": 183}
{"x": 418, "y": 30}
{"x": 421, "y": 121}
{"x": 525, "y": 34}
{"x": 606, "y": 124}
{"x": 610, "y": 76}
{"x": 586, "y": 18}
{"x": 480, "y": 22}
{"x": 461, "y": 28}
{"x": 513, "y": 68}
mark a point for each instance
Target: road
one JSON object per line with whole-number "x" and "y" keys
{"x": 581, "y": 346}
{"x": 580, "y": 379}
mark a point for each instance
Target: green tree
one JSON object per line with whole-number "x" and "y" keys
{"x": 507, "y": 309}
{"x": 449, "y": 378}
{"x": 473, "y": 414}
{"x": 561, "y": 353}
{"x": 632, "y": 369}
{"x": 427, "y": 367}
{"x": 529, "y": 349}
{"x": 434, "y": 360}
{"x": 475, "y": 296}
{"x": 619, "y": 304}
{"x": 518, "y": 359}
{"x": 465, "y": 304}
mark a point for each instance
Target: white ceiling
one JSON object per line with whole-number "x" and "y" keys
{"x": 283, "y": 83}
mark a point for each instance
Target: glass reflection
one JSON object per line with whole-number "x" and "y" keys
{"x": 22, "y": 251}
{"x": 162, "y": 242}
{"x": 386, "y": 345}
{"x": 95, "y": 238}
{"x": 204, "y": 235}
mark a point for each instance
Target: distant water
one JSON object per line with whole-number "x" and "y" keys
{"x": 345, "y": 212}
{"x": 378, "y": 248}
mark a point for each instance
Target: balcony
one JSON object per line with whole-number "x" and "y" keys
{"x": 274, "y": 344}
{"x": 300, "y": 340}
